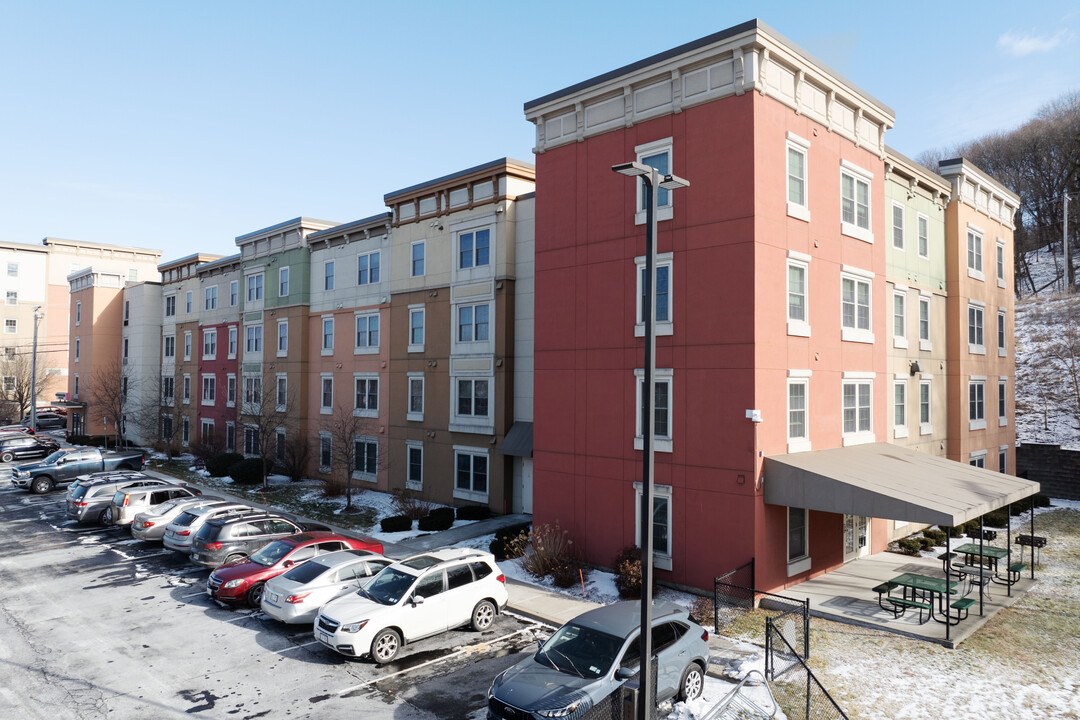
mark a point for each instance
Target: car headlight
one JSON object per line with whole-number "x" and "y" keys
{"x": 354, "y": 627}
{"x": 234, "y": 583}
{"x": 560, "y": 712}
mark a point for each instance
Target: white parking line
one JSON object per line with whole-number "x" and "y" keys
{"x": 300, "y": 645}
{"x": 202, "y": 593}
{"x": 462, "y": 651}
{"x": 245, "y": 616}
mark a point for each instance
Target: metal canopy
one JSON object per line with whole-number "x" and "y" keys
{"x": 519, "y": 441}
{"x": 888, "y": 481}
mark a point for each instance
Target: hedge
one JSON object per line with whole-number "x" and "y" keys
{"x": 433, "y": 523}
{"x": 396, "y": 523}
{"x": 473, "y": 512}
{"x": 219, "y": 465}
{"x": 248, "y": 471}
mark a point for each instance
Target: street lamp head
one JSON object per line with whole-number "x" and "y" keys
{"x": 631, "y": 169}
{"x": 673, "y": 182}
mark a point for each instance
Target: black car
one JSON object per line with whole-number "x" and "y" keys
{"x": 26, "y": 446}
{"x": 48, "y": 421}
{"x": 233, "y": 537}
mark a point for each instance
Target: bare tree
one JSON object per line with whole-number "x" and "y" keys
{"x": 18, "y": 372}
{"x": 354, "y": 447}
{"x": 264, "y": 409}
{"x": 111, "y": 386}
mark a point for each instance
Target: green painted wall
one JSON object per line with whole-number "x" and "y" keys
{"x": 907, "y": 266}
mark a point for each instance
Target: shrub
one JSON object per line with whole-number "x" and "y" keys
{"x": 569, "y": 574}
{"x": 549, "y": 547}
{"x": 410, "y": 505}
{"x": 628, "y": 573}
{"x": 248, "y": 471}
{"x": 956, "y": 531}
{"x": 925, "y": 543}
{"x": 442, "y": 512}
{"x": 396, "y": 523}
{"x": 1042, "y": 501}
{"x": 937, "y": 537}
{"x": 297, "y": 457}
{"x": 219, "y": 465}
{"x": 434, "y": 523}
{"x": 510, "y": 542}
{"x": 702, "y": 611}
{"x": 473, "y": 512}
{"x": 996, "y": 518}
{"x": 909, "y": 546}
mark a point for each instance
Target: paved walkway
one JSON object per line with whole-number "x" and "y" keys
{"x": 454, "y": 535}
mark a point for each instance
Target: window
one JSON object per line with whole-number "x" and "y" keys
{"x": 657, "y": 155}
{"x": 76, "y": 385}
{"x": 977, "y": 459}
{"x": 167, "y": 390}
{"x": 855, "y": 202}
{"x": 209, "y": 389}
{"x": 13, "y": 269}
{"x": 170, "y": 306}
{"x": 166, "y": 427}
{"x": 76, "y": 349}
{"x": 1001, "y": 333}
{"x": 416, "y": 397}
{"x": 661, "y": 523}
{"x": 855, "y": 308}
{"x": 232, "y": 343}
{"x": 472, "y": 398}
{"x": 797, "y": 546}
{"x": 900, "y": 319}
{"x": 281, "y": 401}
{"x": 209, "y": 344}
{"x": 282, "y": 338}
{"x": 127, "y": 345}
{"x": 230, "y": 437}
{"x": 1001, "y": 264}
{"x": 124, "y": 388}
{"x": 187, "y": 302}
{"x": 253, "y": 342}
{"x": 416, "y": 328}
{"x": 974, "y": 254}
{"x": 975, "y": 330}
{"x": 325, "y": 454}
{"x": 414, "y": 478}
{"x": 857, "y": 410}
{"x": 252, "y": 390}
{"x": 662, "y": 292}
{"x": 367, "y": 268}
{"x": 900, "y": 409}
{"x": 797, "y": 204}
{"x": 127, "y": 312}
{"x": 924, "y": 323}
{"x": 251, "y": 440}
{"x": 662, "y": 410}
{"x": 169, "y": 350}
{"x": 365, "y": 458}
{"x": 472, "y": 323}
{"x": 976, "y": 404}
{"x": 367, "y": 333}
{"x": 326, "y": 403}
{"x": 417, "y": 266}
{"x": 187, "y": 345}
{"x": 78, "y": 306}
{"x": 187, "y": 388}
{"x": 11, "y": 326}
{"x": 280, "y": 446}
{"x": 283, "y": 282}
{"x": 798, "y": 428}
{"x": 924, "y": 236}
{"x": 474, "y": 249}
{"x": 1003, "y": 400}
{"x": 798, "y": 322}
{"x": 471, "y": 474}
{"x": 254, "y": 287}
{"x": 898, "y": 226}
{"x": 1003, "y": 460}
{"x": 9, "y": 383}
{"x": 185, "y": 430}
{"x": 926, "y": 426}
{"x": 328, "y": 275}
{"x": 328, "y": 336}
{"x": 210, "y": 298}
{"x": 233, "y": 300}
{"x": 9, "y": 354}
{"x": 230, "y": 397}
{"x": 366, "y": 395}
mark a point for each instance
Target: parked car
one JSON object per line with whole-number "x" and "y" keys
{"x": 116, "y": 475}
{"x": 296, "y": 596}
{"x": 242, "y": 581}
{"x": 48, "y": 421}
{"x": 23, "y": 429}
{"x": 180, "y": 532}
{"x": 61, "y": 468}
{"x": 229, "y": 538}
{"x": 128, "y": 502}
{"x": 591, "y": 656}
{"x": 150, "y": 524}
{"x": 412, "y": 599}
{"x": 92, "y": 502}
{"x": 22, "y": 447}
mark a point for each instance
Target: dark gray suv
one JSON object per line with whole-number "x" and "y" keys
{"x": 234, "y": 537}
{"x": 92, "y": 502}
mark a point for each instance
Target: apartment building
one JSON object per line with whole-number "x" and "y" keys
{"x": 783, "y": 287}
{"x": 140, "y": 359}
{"x": 217, "y": 344}
{"x": 96, "y": 373}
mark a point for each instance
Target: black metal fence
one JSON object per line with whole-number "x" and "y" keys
{"x": 622, "y": 704}
{"x": 798, "y": 693}
{"x": 739, "y": 609}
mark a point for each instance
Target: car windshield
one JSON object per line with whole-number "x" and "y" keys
{"x": 207, "y": 532}
{"x": 271, "y": 553}
{"x": 389, "y": 586}
{"x": 80, "y": 492}
{"x": 580, "y": 651}
{"x": 306, "y": 573}
{"x": 162, "y": 508}
{"x": 184, "y": 519}
{"x": 55, "y": 456}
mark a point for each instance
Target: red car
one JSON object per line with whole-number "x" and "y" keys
{"x": 241, "y": 581}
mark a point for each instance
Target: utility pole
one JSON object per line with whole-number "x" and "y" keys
{"x": 1065, "y": 241}
{"x": 33, "y": 372}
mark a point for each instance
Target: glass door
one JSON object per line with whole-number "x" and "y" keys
{"x": 856, "y": 537}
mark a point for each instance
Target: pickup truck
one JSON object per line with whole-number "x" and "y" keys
{"x": 63, "y": 466}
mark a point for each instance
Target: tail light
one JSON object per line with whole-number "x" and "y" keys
{"x": 79, "y": 504}
{"x": 213, "y": 546}
{"x": 147, "y": 523}
{"x": 501, "y": 578}
{"x": 126, "y": 498}
{"x": 184, "y": 532}
{"x": 705, "y": 635}
{"x": 297, "y": 598}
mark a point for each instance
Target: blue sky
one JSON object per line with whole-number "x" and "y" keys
{"x": 179, "y": 126}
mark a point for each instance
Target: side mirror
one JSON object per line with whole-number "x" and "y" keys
{"x": 288, "y": 563}
{"x": 417, "y": 600}
{"x": 624, "y": 673}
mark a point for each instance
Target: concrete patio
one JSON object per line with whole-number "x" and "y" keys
{"x": 846, "y": 595}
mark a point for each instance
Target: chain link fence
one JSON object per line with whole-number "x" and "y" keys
{"x": 798, "y": 693}
{"x": 741, "y": 611}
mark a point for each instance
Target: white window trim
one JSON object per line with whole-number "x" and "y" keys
{"x": 927, "y": 343}
{"x": 799, "y": 328}
{"x": 366, "y": 476}
{"x": 975, "y": 348}
{"x": 369, "y": 349}
{"x": 234, "y": 289}
{"x": 900, "y": 341}
{"x": 279, "y": 352}
{"x": 903, "y": 227}
{"x": 974, "y": 380}
{"x": 329, "y": 265}
{"x": 979, "y": 274}
{"x": 282, "y": 270}
{"x": 78, "y": 312}
{"x": 926, "y": 428}
{"x": 801, "y": 564}
{"x": 233, "y": 330}
{"x": 471, "y": 494}
{"x": 901, "y": 431}
{"x": 185, "y": 389}
{"x": 205, "y": 335}
{"x": 856, "y": 334}
{"x": 366, "y": 412}
{"x": 1003, "y": 389}
{"x": 857, "y": 437}
{"x": 326, "y": 409}
{"x": 323, "y": 350}
{"x": 411, "y": 445}
{"x": 660, "y": 443}
{"x": 202, "y": 390}
{"x": 977, "y": 455}
{"x": 865, "y": 176}
{"x": 798, "y": 144}
{"x": 422, "y": 309}
{"x": 278, "y": 407}
{"x": 409, "y": 414}
{"x": 324, "y": 435}
{"x": 187, "y": 345}
{"x": 999, "y": 246}
{"x": 663, "y": 327}
{"x": 918, "y": 250}
{"x": 236, "y": 390}
{"x": 368, "y": 255}
{"x": 470, "y": 423}
{"x": 800, "y": 444}
{"x": 411, "y": 246}
{"x": 1002, "y": 318}
{"x": 660, "y": 560}
{"x": 663, "y": 212}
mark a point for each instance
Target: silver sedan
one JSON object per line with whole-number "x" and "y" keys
{"x": 297, "y": 595}
{"x": 150, "y": 524}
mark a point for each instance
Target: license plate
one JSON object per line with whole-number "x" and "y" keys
{"x": 272, "y": 597}
{"x": 209, "y": 591}
{"x": 323, "y": 637}
{"x": 194, "y": 556}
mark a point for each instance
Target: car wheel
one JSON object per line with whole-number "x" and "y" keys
{"x": 7, "y": 457}
{"x": 483, "y": 615}
{"x": 385, "y": 646}
{"x": 106, "y": 516}
{"x": 692, "y": 682}
{"x": 41, "y": 485}
{"x": 234, "y": 556}
{"x": 254, "y": 596}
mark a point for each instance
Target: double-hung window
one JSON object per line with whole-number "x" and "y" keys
{"x": 976, "y": 403}
{"x": 367, "y": 334}
{"x": 232, "y": 343}
{"x": 1001, "y": 332}
{"x": 77, "y": 343}
{"x": 416, "y": 397}
{"x": 281, "y": 400}
{"x": 798, "y": 314}
{"x": 1000, "y": 264}
{"x": 187, "y": 388}
{"x": 900, "y": 423}
{"x": 473, "y": 323}
{"x": 13, "y": 299}
{"x": 798, "y": 547}
{"x": 975, "y": 328}
{"x": 661, "y": 523}
{"x": 328, "y": 336}
{"x": 925, "y": 343}
{"x": 474, "y": 249}
{"x": 855, "y": 298}
{"x": 282, "y": 337}
{"x": 898, "y": 226}
{"x": 414, "y": 478}
{"x": 209, "y": 389}
{"x": 169, "y": 350}
{"x": 210, "y": 298}
{"x": 974, "y": 253}
{"x": 472, "y": 398}
{"x": 416, "y": 328}
{"x": 233, "y": 300}
{"x": 328, "y": 275}
{"x": 326, "y": 395}
{"x": 187, "y": 345}
{"x": 209, "y": 349}
{"x": 798, "y": 205}
{"x": 283, "y": 282}
{"x": 230, "y": 392}
{"x": 253, "y": 342}
{"x": 658, "y": 155}
{"x": 470, "y": 473}
{"x": 1003, "y": 402}
{"x": 661, "y": 293}
{"x": 252, "y": 391}
{"x": 926, "y": 424}
{"x": 855, "y": 202}
{"x": 663, "y": 384}
{"x": 168, "y": 389}
{"x": 325, "y": 454}
{"x": 366, "y": 395}
{"x": 857, "y": 404}
{"x": 170, "y": 306}
{"x": 255, "y": 287}
{"x": 187, "y": 302}
{"x": 417, "y": 260}
{"x": 900, "y": 317}
{"x": 924, "y": 236}
{"x": 368, "y": 268}
{"x": 365, "y": 458}
{"x": 798, "y": 405}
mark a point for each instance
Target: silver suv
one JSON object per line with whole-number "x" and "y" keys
{"x": 180, "y": 532}
{"x": 126, "y": 502}
{"x": 150, "y": 523}
{"x": 93, "y": 502}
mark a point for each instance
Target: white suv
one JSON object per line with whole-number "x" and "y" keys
{"x": 412, "y": 599}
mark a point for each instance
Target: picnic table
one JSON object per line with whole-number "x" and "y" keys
{"x": 924, "y": 592}
{"x": 987, "y": 553}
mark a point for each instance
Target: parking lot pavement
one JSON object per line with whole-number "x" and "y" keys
{"x": 93, "y": 623}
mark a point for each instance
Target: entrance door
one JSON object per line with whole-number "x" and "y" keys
{"x": 523, "y": 472}
{"x": 856, "y": 537}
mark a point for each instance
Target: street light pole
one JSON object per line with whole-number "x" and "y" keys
{"x": 653, "y": 182}
{"x": 33, "y": 372}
